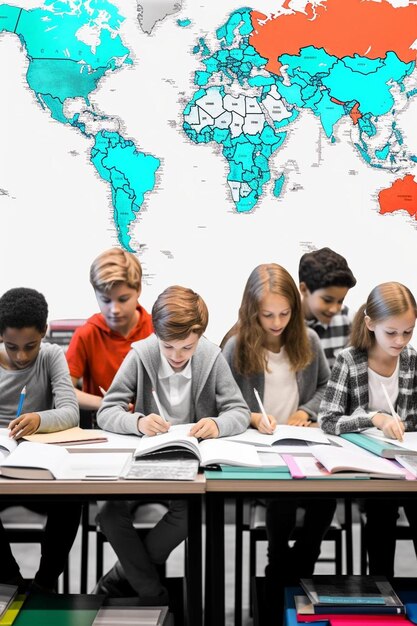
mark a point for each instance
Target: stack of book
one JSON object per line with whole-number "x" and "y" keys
{"x": 345, "y": 601}
{"x": 10, "y": 604}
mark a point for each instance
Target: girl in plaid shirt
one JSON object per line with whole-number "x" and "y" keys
{"x": 354, "y": 398}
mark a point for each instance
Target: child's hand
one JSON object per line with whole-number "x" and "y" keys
{"x": 206, "y": 428}
{"x": 152, "y": 424}
{"x": 257, "y": 421}
{"x": 299, "y": 418}
{"x": 24, "y": 425}
{"x": 392, "y": 428}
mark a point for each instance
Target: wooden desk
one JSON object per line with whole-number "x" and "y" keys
{"x": 218, "y": 490}
{"x": 35, "y": 490}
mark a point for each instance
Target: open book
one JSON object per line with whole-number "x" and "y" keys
{"x": 283, "y": 434}
{"x": 7, "y": 444}
{"x": 336, "y": 460}
{"x": 43, "y": 461}
{"x": 208, "y": 451}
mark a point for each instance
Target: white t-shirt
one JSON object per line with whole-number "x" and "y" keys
{"x": 377, "y": 399}
{"x": 281, "y": 390}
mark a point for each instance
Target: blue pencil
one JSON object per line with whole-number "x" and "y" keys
{"x": 21, "y": 401}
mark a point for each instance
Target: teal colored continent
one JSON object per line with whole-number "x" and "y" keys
{"x": 279, "y": 183}
{"x": 60, "y": 64}
{"x": 131, "y": 175}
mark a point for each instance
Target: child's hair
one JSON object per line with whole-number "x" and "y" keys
{"x": 250, "y": 356}
{"x": 385, "y": 300}
{"x": 177, "y": 312}
{"x": 115, "y": 266}
{"x": 325, "y": 268}
{"x": 23, "y": 308}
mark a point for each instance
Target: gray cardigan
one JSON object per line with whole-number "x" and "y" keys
{"x": 311, "y": 381}
{"x": 214, "y": 393}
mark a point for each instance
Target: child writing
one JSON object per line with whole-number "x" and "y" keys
{"x": 379, "y": 354}
{"x": 325, "y": 279}
{"x": 49, "y": 404}
{"x": 98, "y": 348}
{"x": 274, "y": 353}
{"x": 193, "y": 384}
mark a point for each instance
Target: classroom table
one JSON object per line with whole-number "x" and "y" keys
{"x": 217, "y": 491}
{"x": 23, "y": 491}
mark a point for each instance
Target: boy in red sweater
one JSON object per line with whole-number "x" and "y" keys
{"x": 98, "y": 348}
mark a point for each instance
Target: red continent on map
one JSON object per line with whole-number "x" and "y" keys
{"x": 342, "y": 28}
{"x": 401, "y": 196}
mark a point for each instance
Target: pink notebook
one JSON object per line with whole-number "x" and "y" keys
{"x": 356, "y": 620}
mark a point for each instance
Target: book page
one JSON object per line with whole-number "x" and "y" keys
{"x": 216, "y": 451}
{"x": 282, "y": 432}
{"x": 176, "y": 436}
{"x": 347, "y": 460}
{"x": 409, "y": 439}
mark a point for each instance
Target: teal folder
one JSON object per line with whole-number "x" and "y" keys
{"x": 252, "y": 474}
{"x": 380, "y": 448}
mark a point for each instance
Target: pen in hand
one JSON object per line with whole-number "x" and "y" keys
{"x": 21, "y": 401}
{"x": 158, "y": 404}
{"x": 262, "y": 409}
{"x": 393, "y": 412}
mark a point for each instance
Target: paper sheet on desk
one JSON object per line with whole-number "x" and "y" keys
{"x": 409, "y": 443}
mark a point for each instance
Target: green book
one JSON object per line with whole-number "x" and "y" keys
{"x": 380, "y": 448}
{"x": 59, "y": 610}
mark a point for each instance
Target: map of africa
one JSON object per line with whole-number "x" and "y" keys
{"x": 206, "y": 139}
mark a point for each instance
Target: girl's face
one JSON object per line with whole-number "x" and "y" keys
{"x": 393, "y": 333}
{"x": 274, "y": 314}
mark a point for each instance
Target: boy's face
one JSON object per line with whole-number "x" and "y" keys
{"x": 179, "y": 352}
{"x": 322, "y": 304}
{"x": 22, "y": 346}
{"x": 118, "y": 307}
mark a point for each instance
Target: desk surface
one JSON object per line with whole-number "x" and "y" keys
{"x": 14, "y": 487}
{"x": 330, "y": 485}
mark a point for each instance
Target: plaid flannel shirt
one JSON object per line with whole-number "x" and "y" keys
{"x": 344, "y": 407}
{"x": 334, "y": 336}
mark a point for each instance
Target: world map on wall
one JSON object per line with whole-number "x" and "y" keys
{"x": 207, "y": 138}
{"x": 249, "y": 87}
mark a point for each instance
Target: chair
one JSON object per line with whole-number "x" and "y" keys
{"x": 25, "y": 526}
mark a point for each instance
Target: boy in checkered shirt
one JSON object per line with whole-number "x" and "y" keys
{"x": 325, "y": 279}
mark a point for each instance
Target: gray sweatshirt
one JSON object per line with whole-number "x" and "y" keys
{"x": 49, "y": 391}
{"x": 214, "y": 393}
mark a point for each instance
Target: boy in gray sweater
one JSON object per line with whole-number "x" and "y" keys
{"x": 194, "y": 384}
{"x": 49, "y": 404}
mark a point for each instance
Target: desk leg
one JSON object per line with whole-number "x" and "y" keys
{"x": 214, "y": 605}
{"x": 194, "y": 564}
{"x": 238, "y": 560}
{"x": 349, "y": 539}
